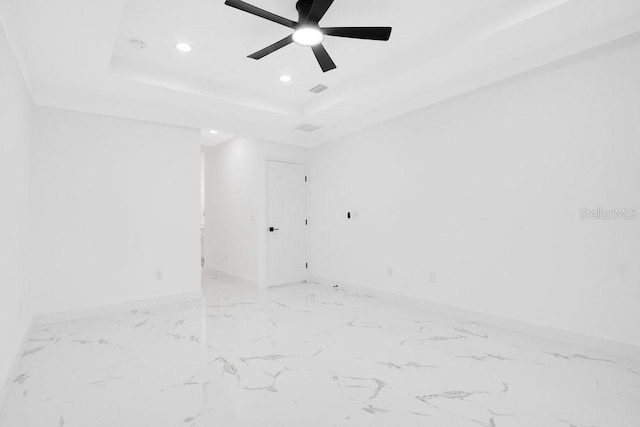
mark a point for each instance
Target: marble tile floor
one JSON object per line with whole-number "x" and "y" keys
{"x": 309, "y": 355}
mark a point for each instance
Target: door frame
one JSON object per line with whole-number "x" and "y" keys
{"x": 265, "y": 280}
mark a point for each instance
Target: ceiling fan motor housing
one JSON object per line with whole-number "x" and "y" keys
{"x": 303, "y": 7}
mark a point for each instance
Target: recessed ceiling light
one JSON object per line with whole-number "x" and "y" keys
{"x": 213, "y": 132}
{"x": 308, "y": 36}
{"x": 184, "y": 47}
{"x": 285, "y": 79}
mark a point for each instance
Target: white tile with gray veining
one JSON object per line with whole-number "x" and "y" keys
{"x": 309, "y": 355}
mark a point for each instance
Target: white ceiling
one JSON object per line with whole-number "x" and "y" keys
{"x": 76, "y": 55}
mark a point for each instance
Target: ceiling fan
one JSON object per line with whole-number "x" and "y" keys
{"x": 307, "y": 31}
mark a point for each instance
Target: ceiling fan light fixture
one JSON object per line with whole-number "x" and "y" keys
{"x": 307, "y": 31}
{"x": 308, "y": 36}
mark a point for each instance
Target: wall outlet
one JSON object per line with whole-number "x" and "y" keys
{"x": 432, "y": 278}
{"x": 159, "y": 275}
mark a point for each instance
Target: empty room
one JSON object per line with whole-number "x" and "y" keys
{"x": 310, "y": 213}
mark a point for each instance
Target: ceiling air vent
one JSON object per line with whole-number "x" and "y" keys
{"x": 306, "y": 127}
{"x": 319, "y": 88}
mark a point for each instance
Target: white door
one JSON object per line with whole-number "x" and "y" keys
{"x": 286, "y": 222}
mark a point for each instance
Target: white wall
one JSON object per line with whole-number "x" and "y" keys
{"x": 230, "y": 207}
{"x": 114, "y": 201}
{"x": 202, "y": 192}
{"x": 484, "y": 191}
{"x": 236, "y": 204}
{"x": 15, "y": 136}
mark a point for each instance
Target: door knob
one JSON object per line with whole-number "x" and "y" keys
{"x": 271, "y": 229}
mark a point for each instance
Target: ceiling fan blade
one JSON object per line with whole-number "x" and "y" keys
{"x": 270, "y": 49}
{"x": 246, "y": 7}
{"x": 325, "y": 61}
{"x": 318, "y": 9}
{"x": 368, "y": 33}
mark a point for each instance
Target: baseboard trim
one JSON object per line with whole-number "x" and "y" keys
{"x": 212, "y": 271}
{"x": 15, "y": 366}
{"x": 592, "y": 343}
{"x": 95, "y": 311}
